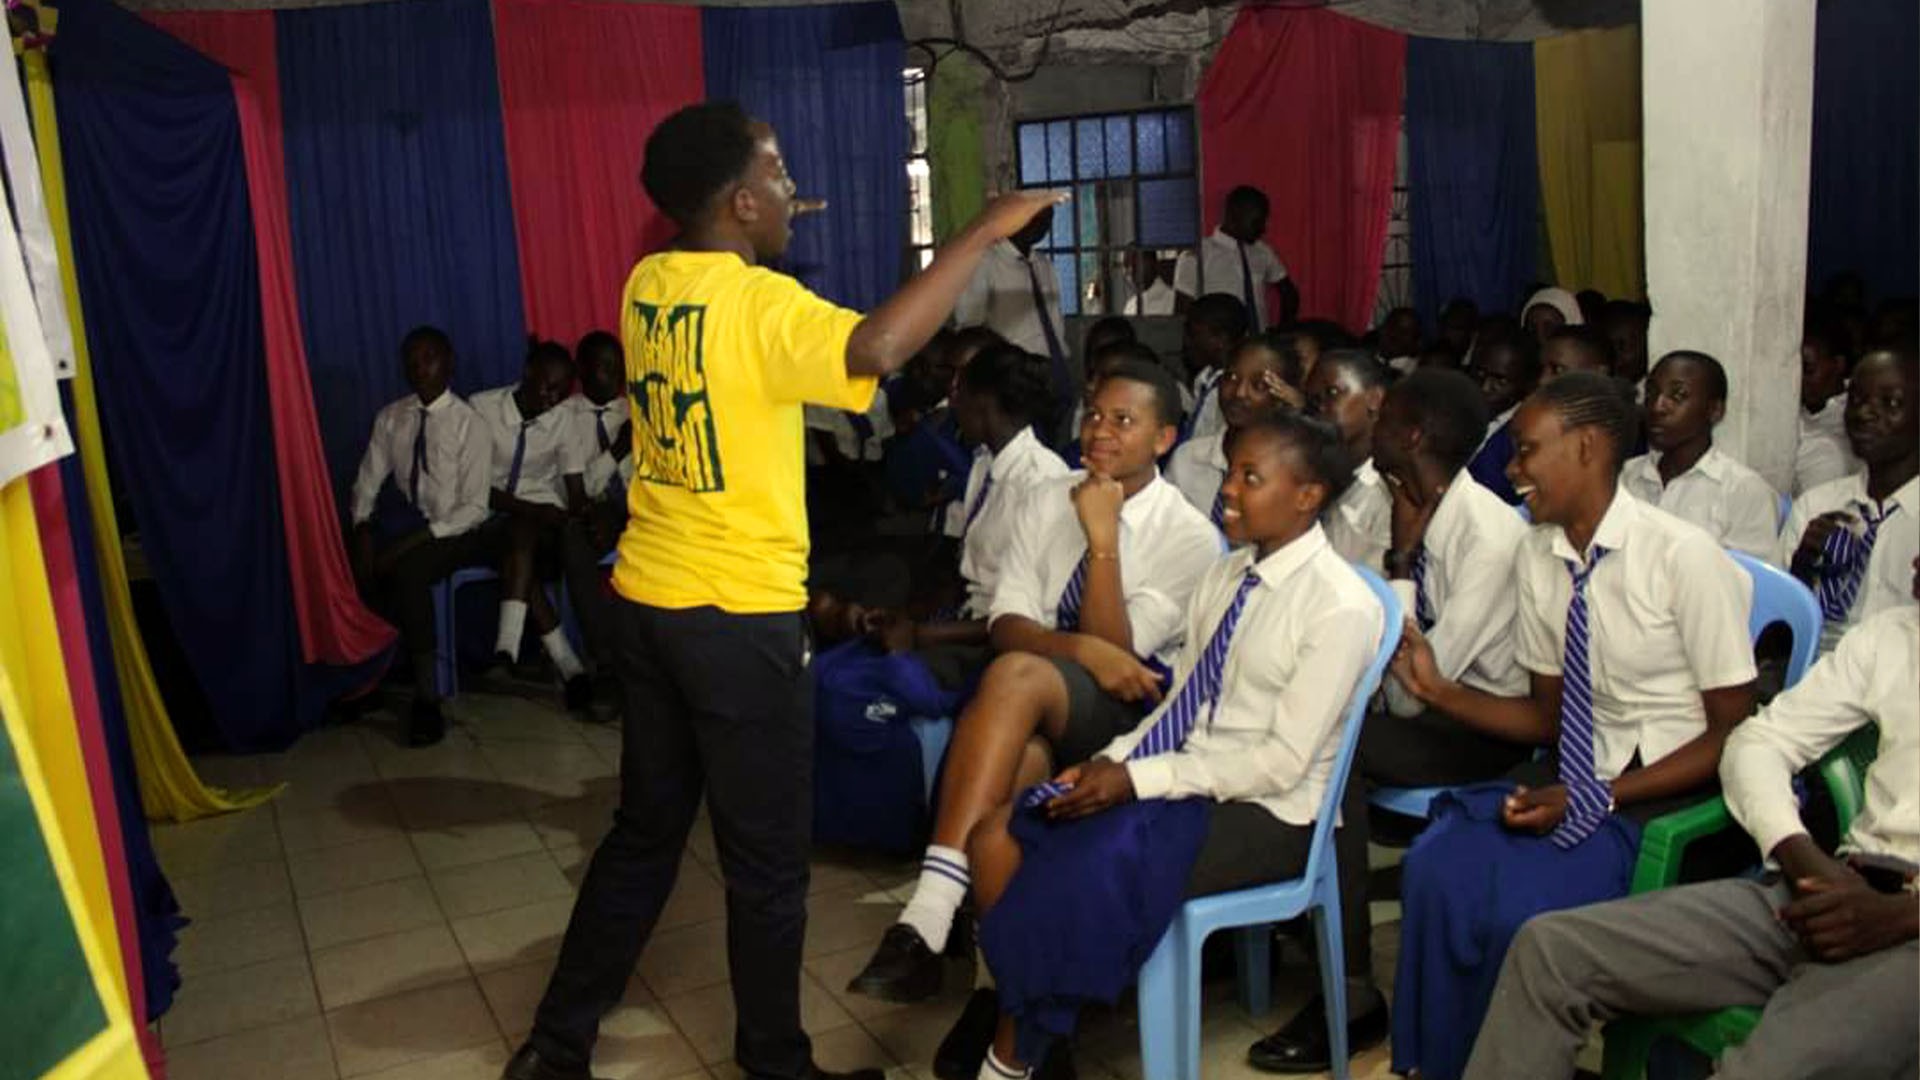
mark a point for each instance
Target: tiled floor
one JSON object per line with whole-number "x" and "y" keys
{"x": 394, "y": 913}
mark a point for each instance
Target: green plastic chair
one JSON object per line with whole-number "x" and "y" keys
{"x": 1629, "y": 1041}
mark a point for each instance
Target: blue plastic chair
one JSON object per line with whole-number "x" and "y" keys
{"x": 446, "y": 662}
{"x": 1170, "y": 981}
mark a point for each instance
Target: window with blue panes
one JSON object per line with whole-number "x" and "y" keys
{"x": 1136, "y": 200}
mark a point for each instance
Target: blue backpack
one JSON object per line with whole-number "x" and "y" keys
{"x": 869, "y": 784}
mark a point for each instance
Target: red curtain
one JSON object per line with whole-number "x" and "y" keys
{"x": 581, "y": 84}
{"x": 1305, "y": 105}
{"x": 335, "y": 627}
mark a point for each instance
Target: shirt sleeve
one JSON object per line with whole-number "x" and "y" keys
{"x": 803, "y": 344}
{"x": 1480, "y": 608}
{"x": 1712, "y": 598}
{"x": 1763, "y": 754}
{"x": 1021, "y": 573}
{"x": 1753, "y": 518}
{"x": 374, "y": 470}
{"x": 474, "y": 483}
{"x": 1186, "y": 275}
{"x": 1336, "y": 653}
{"x": 1157, "y": 606}
{"x": 1536, "y": 640}
{"x": 578, "y": 444}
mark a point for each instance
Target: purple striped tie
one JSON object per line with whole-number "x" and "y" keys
{"x": 1843, "y": 563}
{"x": 1422, "y": 605}
{"x": 1587, "y": 796}
{"x": 979, "y": 504}
{"x": 1067, "y": 614}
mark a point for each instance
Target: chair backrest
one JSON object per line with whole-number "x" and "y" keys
{"x": 1845, "y": 771}
{"x": 1393, "y": 617}
{"x": 1778, "y": 597}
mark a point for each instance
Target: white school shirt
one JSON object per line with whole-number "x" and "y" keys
{"x": 1220, "y": 271}
{"x": 1889, "y": 574}
{"x": 546, "y": 446}
{"x": 1470, "y": 542}
{"x": 1719, "y": 494}
{"x": 601, "y": 472}
{"x": 1019, "y": 465}
{"x": 1165, "y": 546}
{"x": 1305, "y": 637}
{"x": 1667, "y": 611}
{"x": 1823, "y": 453}
{"x": 1156, "y": 299}
{"x": 1198, "y": 468}
{"x": 1205, "y": 405}
{"x": 453, "y": 493}
{"x": 1000, "y": 297}
{"x": 1869, "y": 678}
{"x": 1360, "y": 525}
{"x": 838, "y": 423}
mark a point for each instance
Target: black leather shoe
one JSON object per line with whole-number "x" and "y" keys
{"x": 425, "y": 725}
{"x": 857, "y": 1074}
{"x": 529, "y": 1065}
{"x": 965, "y": 1046}
{"x": 1301, "y": 1045}
{"x": 903, "y": 970}
{"x": 580, "y": 694}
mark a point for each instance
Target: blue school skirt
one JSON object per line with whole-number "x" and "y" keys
{"x": 1089, "y": 904}
{"x": 1468, "y": 884}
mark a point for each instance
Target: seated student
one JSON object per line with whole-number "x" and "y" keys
{"x": 1092, "y": 587}
{"x": 967, "y": 343}
{"x": 435, "y": 450}
{"x": 1548, "y": 310}
{"x": 1592, "y": 302}
{"x": 1100, "y": 361}
{"x": 1112, "y": 330}
{"x": 1824, "y": 945}
{"x": 1346, "y": 388}
{"x": 1148, "y": 286}
{"x": 1575, "y": 348}
{"x": 1261, "y": 377}
{"x": 1633, "y": 626}
{"x": 1223, "y": 782}
{"x": 1316, "y": 337}
{"x": 1438, "y": 353}
{"x": 1506, "y": 364}
{"x": 596, "y": 468}
{"x": 1625, "y": 324}
{"x": 1458, "y": 321}
{"x": 1215, "y": 323}
{"x": 1685, "y": 474}
{"x": 1849, "y": 538}
{"x": 530, "y": 436}
{"x": 1396, "y": 343}
{"x": 1822, "y": 453}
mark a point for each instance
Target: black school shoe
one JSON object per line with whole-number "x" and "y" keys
{"x": 1301, "y": 1045}
{"x": 579, "y": 695}
{"x": 425, "y": 725}
{"x": 527, "y": 1064}
{"x": 905, "y": 969}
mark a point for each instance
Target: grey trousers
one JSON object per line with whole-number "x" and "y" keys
{"x": 1693, "y": 949}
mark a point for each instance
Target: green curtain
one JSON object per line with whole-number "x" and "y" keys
{"x": 955, "y": 98}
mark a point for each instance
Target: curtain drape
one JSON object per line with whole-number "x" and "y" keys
{"x": 398, "y": 198}
{"x": 1473, "y": 173}
{"x": 1305, "y": 105}
{"x": 828, "y": 79}
{"x": 955, "y": 151}
{"x": 581, "y": 85}
{"x": 1587, "y": 109}
{"x": 1863, "y": 214}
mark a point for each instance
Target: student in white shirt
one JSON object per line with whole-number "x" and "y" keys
{"x": 1346, "y": 388}
{"x": 1849, "y": 539}
{"x": 1236, "y": 260}
{"x": 596, "y": 469}
{"x": 1016, "y": 293}
{"x": 1625, "y": 324}
{"x": 434, "y": 454}
{"x": 1685, "y": 474}
{"x": 1262, "y": 377}
{"x": 530, "y": 437}
{"x": 1396, "y": 341}
{"x": 1093, "y": 588}
{"x": 1633, "y": 627}
{"x": 1823, "y": 453}
{"x": 1215, "y": 323}
{"x": 1825, "y": 944}
{"x": 1261, "y": 752}
{"x": 1506, "y": 364}
{"x": 1148, "y": 290}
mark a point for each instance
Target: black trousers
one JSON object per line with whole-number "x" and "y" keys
{"x": 405, "y": 591}
{"x": 718, "y": 705}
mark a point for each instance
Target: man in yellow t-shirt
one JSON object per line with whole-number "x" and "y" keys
{"x": 709, "y": 645}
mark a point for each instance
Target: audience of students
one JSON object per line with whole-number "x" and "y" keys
{"x": 1685, "y": 474}
{"x": 1235, "y": 260}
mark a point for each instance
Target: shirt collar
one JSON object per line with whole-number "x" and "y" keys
{"x": 439, "y": 404}
{"x": 1145, "y": 502}
{"x": 1220, "y": 236}
{"x": 1017, "y": 448}
{"x": 1276, "y": 568}
{"x": 1712, "y": 465}
{"x": 1615, "y": 525}
{"x": 1906, "y": 496}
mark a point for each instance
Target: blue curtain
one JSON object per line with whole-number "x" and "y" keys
{"x": 164, "y": 251}
{"x": 828, "y": 79}
{"x": 398, "y": 198}
{"x": 1862, "y": 213}
{"x": 1473, "y": 179}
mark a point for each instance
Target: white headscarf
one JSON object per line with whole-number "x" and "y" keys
{"x": 1558, "y": 299}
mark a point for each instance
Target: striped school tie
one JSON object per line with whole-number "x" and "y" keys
{"x": 1247, "y": 290}
{"x": 519, "y": 458}
{"x": 600, "y": 428}
{"x": 979, "y": 503}
{"x": 419, "y": 460}
{"x": 1587, "y": 797}
{"x": 1843, "y": 563}
{"x": 1067, "y": 613}
{"x": 1199, "y": 406}
{"x": 1422, "y": 604}
{"x": 1200, "y": 690}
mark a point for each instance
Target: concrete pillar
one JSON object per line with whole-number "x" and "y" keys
{"x": 1727, "y": 91}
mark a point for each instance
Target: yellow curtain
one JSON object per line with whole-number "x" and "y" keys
{"x": 1587, "y": 114}
{"x": 169, "y": 789}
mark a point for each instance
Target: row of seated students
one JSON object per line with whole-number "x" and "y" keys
{"x": 528, "y": 480}
{"x": 1579, "y": 668}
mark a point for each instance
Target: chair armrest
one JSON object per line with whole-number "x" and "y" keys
{"x": 1666, "y": 838}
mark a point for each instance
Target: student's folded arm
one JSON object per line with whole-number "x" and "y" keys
{"x": 1479, "y": 610}
{"x": 1022, "y": 633}
{"x": 1105, "y": 607}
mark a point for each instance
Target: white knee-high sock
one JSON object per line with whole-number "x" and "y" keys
{"x": 942, "y": 888}
{"x": 992, "y": 1068}
{"x": 513, "y": 622}
{"x": 561, "y": 652}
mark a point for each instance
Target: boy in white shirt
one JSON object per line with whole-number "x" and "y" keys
{"x": 1685, "y": 474}
{"x": 1236, "y": 260}
{"x": 1822, "y": 454}
{"x": 437, "y": 453}
{"x": 1346, "y": 387}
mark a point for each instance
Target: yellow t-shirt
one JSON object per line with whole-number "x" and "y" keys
{"x": 720, "y": 358}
